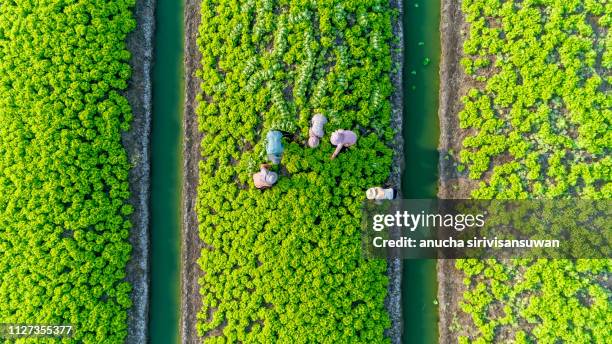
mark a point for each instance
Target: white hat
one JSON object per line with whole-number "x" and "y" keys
{"x": 337, "y": 137}
{"x": 271, "y": 177}
{"x": 313, "y": 142}
{"x": 319, "y": 118}
{"x": 371, "y": 193}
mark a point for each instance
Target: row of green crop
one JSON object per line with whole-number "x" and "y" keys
{"x": 538, "y": 126}
{"x": 63, "y": 169}
{"x": 542, "y": 115}
{"x": 543, "y": 301}
{"x": 284, "y": 264}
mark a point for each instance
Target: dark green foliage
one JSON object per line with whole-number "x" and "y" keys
{"x": 285, "y": 264}
{"x": 63, "y": 170}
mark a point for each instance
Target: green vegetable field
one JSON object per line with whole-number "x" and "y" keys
{"x": 540, "y": 115}
{"x": 538, "y": 124}
{"x": 284, "y": 264}
{"x": 63, "y": 169}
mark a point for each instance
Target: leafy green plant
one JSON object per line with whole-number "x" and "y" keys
{"x": 285, "y": 264}
{"x": 539, "y": 127}
{"x": 63, "y": 170}
{"x": 544, "y": 96}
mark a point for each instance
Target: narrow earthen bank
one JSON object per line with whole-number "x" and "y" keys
{"x": 136, "y": 141}
{"x": 393, "y": 302}
{"x": 452, "y": 185}
{"x": 191, "y": 245}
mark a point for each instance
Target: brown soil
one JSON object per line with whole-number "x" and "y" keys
{"x": 454, "y": 84}
{"x": 136, "y": 142}
{"x": 452, "y": 185}
{"x": 191, "y": 245}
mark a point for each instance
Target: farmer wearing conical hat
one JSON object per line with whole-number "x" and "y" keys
{"x": 264, "y": 178}
{"x": 316, "y": 131}
{"x": 342, "y": 138}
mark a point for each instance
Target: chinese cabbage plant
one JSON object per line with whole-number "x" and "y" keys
{"x": 538, "y": 124}
{"x": 285, "y": 264}
{"x": 63, "y": 170}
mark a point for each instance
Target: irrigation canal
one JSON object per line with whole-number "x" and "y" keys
{"x": 166, "y": 162}
{"x": 419, "y": 179}
{"x": 421, "y": 133}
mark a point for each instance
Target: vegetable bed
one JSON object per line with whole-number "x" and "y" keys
{"x": 538, "y": 126}
{"x": 63, "y": 170}
{"x": 285, "y": 264}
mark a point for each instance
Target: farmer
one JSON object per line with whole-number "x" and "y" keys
{"x": 264, "y": 178}
{"x": 316, "y": 131}
{"x": 342, "y": 138}
{"x": 274, "y": 146}
{"x": 378, "y": 193}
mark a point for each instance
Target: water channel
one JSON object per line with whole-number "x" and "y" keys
{"x": 166, "y": 162}
{"x": 420, "y": 177}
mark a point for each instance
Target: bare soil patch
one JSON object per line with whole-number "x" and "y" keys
{"x": 452, "y": 185}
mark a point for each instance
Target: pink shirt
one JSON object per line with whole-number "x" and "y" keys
{"x": 342, "y": 138}
{"x": 259, "y": 178}
{"x": 349, "y": 138}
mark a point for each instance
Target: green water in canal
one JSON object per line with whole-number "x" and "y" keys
{"x": 166, "y": 162}
{"x": 420, "y": 176}
{"x": 419, "y": 179}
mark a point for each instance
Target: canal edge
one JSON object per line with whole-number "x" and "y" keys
{"x": 137, "y": 143}
{"x": 451, "y": 185}
{"x": 191, "y": 245}
{"x": 393, "y": 301}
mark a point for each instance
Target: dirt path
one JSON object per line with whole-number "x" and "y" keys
{"x": 452, "y": 185}
{"x": 136, "y": 141}
{"x": 191, "y": 245}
